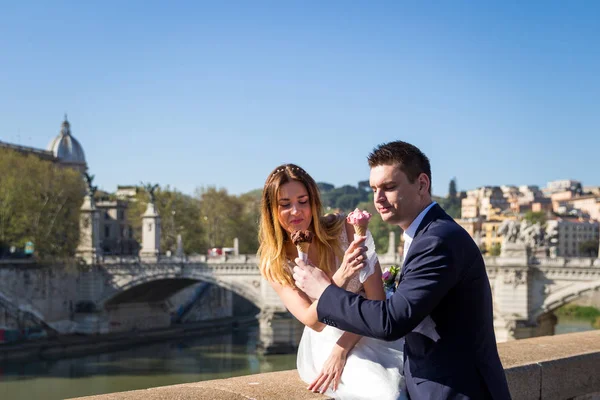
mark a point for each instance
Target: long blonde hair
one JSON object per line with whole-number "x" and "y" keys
{"x": 271, "y": 236}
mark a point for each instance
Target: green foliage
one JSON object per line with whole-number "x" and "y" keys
{"x": 535, "y": 217}
{"x": 381, "y": 232}
{"x": 345, "y": 198}
{"x": 452, "y": 189}
{"x": 180, "y": 214}
{"x": 213, "y": 218}
{"x": 451, "y": 206}
{"x": 452, "y": 203}
{"x": 39, "y": 202}
{"x": 347, "y": 202}
{"x": 576, "y": 311}
{"x": 589, "y": 248}
{"x": 364, "y": 186}
{"x": 247, "y": 230}
{"x": 495, "y": 249}
{"x": 325, "y": 187}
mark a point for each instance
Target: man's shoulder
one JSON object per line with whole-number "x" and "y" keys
{"x": 446, "y": 230}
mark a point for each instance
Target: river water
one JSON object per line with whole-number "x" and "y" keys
{"x": 184, "y": 360}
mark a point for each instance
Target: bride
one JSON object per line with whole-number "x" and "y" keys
{"x": 341, "y": 364}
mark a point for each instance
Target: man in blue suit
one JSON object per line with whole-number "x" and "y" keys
{"x": 443, "y": 302}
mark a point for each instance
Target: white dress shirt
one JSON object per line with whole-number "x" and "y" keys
{"x": 409, "y": 233}
{"x": 427, "y": 326}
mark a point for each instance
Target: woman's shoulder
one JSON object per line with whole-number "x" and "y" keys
{"x": 332, "y": 219}
{"x": 336, "y": 224}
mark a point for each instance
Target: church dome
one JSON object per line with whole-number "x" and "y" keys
{"x": 65, "y": 147}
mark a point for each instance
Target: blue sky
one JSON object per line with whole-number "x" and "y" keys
{"x": 198, "y": 93}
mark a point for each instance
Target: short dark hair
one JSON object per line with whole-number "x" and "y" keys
{"x": 410, "y": 159}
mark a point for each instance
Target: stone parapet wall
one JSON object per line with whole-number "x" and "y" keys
{"x": 550, "y": 367}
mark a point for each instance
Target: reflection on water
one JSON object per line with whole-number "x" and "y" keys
{"x": 572, "y": 325}
{"x": 166, "y": 363}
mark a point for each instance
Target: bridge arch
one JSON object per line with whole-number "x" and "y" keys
{"x": 566, "y": 295}
{"x": 179, "y": 282}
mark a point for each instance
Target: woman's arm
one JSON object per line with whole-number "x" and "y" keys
{"x": 299, "y": 305}
{"x": 331, "y": 373}
{"x": 373, "y": 291}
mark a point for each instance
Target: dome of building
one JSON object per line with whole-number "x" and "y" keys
{"x": 65, "y": 147}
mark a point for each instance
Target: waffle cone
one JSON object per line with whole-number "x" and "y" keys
{"x": 303, "y": 247}
{"x": 360, "y": 230}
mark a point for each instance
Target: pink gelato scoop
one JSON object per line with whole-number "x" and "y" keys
{"x": 358, "y": 217}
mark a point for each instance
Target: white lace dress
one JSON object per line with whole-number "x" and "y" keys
{"x": 373, "y": 367}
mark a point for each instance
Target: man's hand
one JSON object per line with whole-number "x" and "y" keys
{"x": 310, "y": 280}
{"x": 354, "y": 261}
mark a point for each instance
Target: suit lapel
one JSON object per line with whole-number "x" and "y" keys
{"x": 433, "y": 214}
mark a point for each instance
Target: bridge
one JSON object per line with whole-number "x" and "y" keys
{"x": 526, "y": 290}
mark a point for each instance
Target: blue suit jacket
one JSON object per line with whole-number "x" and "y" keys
{"x": 444, "y": 277}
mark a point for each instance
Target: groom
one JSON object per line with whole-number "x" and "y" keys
{"x": 444, "y": 277}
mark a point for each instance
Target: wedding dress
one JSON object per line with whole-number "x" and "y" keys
{"x": 373, "y": 367}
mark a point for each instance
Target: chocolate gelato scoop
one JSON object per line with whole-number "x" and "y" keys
{"x": 302, "y": 236}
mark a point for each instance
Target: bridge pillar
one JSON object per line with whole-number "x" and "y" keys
{"x": 508, "y": 329}
{"x": 392, "y": 250}
{"x": 150, "y": 234}
{"x": 279, "y": 332}
{"x": 513, "y": 300}
{"x": 89, "y": 231}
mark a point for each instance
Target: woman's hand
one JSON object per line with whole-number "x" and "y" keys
{"x": 331, "y": 374}
{"x": 354, "y": 261}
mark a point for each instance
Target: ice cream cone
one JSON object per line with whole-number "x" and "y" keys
{"x": 360, "y": 221}
{"x": 360, "y": 230}
{"x": 303, "y": 250}
{"x": 302, "y": 240}
{"x": 303, "y": 247}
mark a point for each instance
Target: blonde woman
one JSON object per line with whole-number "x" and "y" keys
{"x": 341, "y": 364}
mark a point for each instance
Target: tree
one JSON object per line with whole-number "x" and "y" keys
{"x": 248, "y": 226}
{"x": 325, "y": 187}
{"x": 364, "y": 186}
{"x": 535, "y": 217}
{"x": 220, "y": 213}
{"x": 347, "y": 202}
{"x": 496, "y": 249}
{"x": 381, "y": 232}
{"x": 452, "y": 189}
{"x": 179, "y": 213}
{"x": 39, "y": 202}
{"x": 589, "y": 248}
{"x": 451, "y": 203}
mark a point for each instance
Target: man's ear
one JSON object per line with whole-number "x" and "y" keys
{"x": 424, "y": 182}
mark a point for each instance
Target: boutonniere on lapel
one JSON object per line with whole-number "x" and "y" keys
{"x": 389, "y": 277}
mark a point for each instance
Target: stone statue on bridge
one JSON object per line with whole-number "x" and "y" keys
{"x": 521, "y": 238}
{"x": 524, "y": 233}
{"x": 552, "y": 240}
{"x": 532, "y": 234}
{"x": 150, "y": 189}
{"x": 91, "y": 190}
{"x": 509, "y": 230}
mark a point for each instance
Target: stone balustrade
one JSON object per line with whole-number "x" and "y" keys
{"x": 548, "y": 368}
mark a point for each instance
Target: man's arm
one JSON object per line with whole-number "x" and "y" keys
{"x": 431, "y": 276}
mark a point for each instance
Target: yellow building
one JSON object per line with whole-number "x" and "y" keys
{"x": 489, "y": 229}
{"x": 489, "y": 236}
